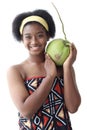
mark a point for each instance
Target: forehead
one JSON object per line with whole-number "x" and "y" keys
{"x": 34, "y": 26}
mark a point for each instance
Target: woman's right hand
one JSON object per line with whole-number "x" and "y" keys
{"x": 50, "y": 66}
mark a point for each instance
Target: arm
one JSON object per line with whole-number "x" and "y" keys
{"x": 25, "y": 103}
{"x": 71, "y": 93}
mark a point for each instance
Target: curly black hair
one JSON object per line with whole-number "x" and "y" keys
{"x": 39, "y": 12}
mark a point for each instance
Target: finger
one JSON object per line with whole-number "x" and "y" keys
{"x": 73, "y": 51}
{"x": 72, "y": 47}
{"x": 47, "y": 56}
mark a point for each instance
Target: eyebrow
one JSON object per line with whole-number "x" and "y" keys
{"x": 36, "y": 33}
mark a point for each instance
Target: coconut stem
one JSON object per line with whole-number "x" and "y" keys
{"x": 60, "y": 20}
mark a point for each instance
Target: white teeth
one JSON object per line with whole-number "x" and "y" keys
{"x": 35, "y": 48}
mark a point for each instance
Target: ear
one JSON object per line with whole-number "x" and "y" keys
{"x": 21, "y": 37}
{"x": 48, "y": 37}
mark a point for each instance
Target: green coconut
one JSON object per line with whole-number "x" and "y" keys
{"x": 58, "y": 50}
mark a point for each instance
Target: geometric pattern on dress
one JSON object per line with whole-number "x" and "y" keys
{"x": 53, "y": 114}
{"x": 55, "y": 104}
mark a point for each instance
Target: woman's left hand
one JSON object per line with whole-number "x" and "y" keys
{"x": 72, "y": 56}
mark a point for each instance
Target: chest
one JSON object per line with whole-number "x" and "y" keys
{"x": 33, "y": 70}
{"x": 36, "y": 70}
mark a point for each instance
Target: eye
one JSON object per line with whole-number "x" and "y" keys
{"x": 40, "y": 35}
{"x": 28, "y": 37}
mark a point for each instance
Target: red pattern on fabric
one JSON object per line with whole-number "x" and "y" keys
{"x": 53, "y": 114}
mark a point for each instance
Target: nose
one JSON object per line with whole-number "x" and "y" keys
{"x": 34, "y": 40}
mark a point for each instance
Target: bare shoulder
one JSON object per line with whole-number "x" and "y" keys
{"x": 18, "y": 70}
{"x": 15, "y": 71}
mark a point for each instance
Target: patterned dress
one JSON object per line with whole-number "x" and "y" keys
{"x": 53, "y": 115}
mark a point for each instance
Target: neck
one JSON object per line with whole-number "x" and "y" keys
{"x": 37, "y": 59}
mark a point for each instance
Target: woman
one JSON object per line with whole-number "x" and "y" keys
{"x": 42, "y": 92}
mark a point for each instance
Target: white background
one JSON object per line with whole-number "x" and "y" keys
{"x": 74, "y": 16}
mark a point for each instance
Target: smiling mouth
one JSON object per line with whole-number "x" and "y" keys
{"x": 35, "y": 48}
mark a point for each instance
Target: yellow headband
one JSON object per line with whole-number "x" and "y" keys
{"x": 34, "y": 18}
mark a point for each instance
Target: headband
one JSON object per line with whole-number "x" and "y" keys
{"x": 31, "y": 19}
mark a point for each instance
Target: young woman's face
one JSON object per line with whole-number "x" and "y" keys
{"x": 35, "y": 38}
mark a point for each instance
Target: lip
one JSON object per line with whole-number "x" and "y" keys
{"x": 35, "y": 48}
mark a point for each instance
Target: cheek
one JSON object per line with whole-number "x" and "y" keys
{"x": 43, "y": 41}
{"x": 25, "y": 44}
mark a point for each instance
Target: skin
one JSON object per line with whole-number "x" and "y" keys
{"x": 40, "y": 64}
